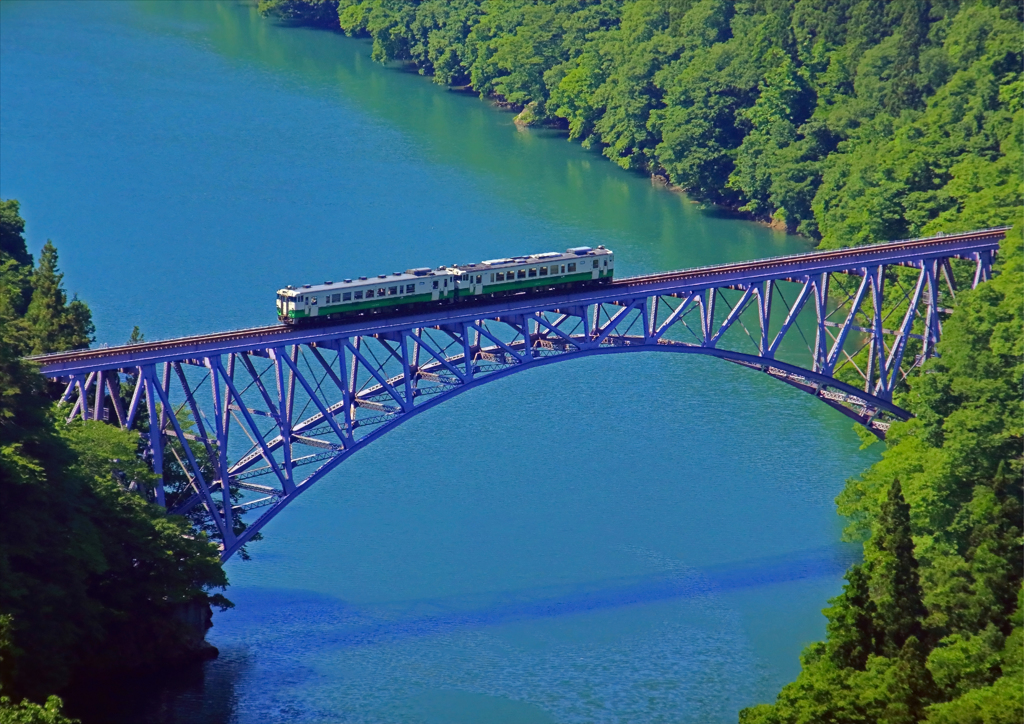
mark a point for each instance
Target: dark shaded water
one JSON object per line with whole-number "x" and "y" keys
{"x": 631, "y": 538}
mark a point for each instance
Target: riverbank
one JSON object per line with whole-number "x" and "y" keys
{"x": 803, "y": 119}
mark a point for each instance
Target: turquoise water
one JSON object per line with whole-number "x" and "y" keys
{"x": 635, "y": 538}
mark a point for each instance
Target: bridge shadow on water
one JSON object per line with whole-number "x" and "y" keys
{"x": 349, "y": 626}
{"x": 291, "y": 625}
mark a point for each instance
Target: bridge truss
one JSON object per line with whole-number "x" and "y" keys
{"x": 250, "y": 419}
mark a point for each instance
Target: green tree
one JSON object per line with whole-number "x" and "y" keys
{"x": 55, "y": 323}
{"x": 15, "y": 262}
{"x": 897, "y": 588}
{"x": 852, "y": 637}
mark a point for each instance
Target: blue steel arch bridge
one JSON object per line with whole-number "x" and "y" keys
{"x": 262, "y": 414}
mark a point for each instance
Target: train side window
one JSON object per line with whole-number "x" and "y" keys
{"x": 313, "y": 300}
{"x": 606, "y": 262}
{"x": 501, "y": 276}
{"x": 346, "y": 297}
{"x": 337, "y": 298}
{"x": 392, "y": 291}
{"x": 492, "y": 277}
{"x": 369, "y": 294}
{"x": 381, "y": 292}
{"x": 595, "y": 263}
{"x": 543, "y": 271}
{"x": 359, "y": 295}
{"x": 522, "y": 274}
{"x": 554, "y": 269}
{"x": 410, "y": 288}
{"x": 533, "y": 271}
{"x": 563, "y": 268}
{"x": 435, "y": 284}
{"x": 572, "y": 266}
{"x": 479, "y": 278}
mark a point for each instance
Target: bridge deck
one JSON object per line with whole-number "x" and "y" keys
{"x": 796, "y": 266}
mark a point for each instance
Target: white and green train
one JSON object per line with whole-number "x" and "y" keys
{"x": 413, "y": 289}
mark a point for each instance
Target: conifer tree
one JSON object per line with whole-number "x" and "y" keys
{"x": 12, "y": 232}
{"x": 15, "y": 262}
{"x": 897, "y": 588}
{"x": 851, "y": 622}
{"x": 909, "y": 687}
{"x": 55, "y": 325}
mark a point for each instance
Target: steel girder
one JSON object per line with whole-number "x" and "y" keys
{"x": 285, "y": 412}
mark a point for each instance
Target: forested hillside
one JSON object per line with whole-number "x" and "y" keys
{"x": 96, "y": 580}
{"x": 929, "y": 626}
{"x": 851, "y": 121}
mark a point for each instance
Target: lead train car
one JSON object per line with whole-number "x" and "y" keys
{"x": 388, "y": 294}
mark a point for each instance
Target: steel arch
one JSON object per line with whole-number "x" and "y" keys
{"x": 362, "y": 379}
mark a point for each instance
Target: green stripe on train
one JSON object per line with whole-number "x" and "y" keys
{"x": 364, "y": 304}
{"x": 519, "y": 284}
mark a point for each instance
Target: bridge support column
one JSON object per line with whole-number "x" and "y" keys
{"x": 147, "y": 377}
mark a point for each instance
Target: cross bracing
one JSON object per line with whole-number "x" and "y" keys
{"x": 250, "y": 419}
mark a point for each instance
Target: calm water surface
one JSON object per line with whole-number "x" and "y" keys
{"x": 635, "y": 538}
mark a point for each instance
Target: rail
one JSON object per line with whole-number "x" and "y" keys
{"x": 256, "y": 333}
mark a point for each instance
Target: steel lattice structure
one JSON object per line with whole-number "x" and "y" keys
{"x": 294, "y": 403}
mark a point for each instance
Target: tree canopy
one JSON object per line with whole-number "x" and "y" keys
{"x": 852, "y": 121}
{"x": 96, "y": 579}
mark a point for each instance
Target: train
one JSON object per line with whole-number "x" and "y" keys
{"x": 422, "y": 288}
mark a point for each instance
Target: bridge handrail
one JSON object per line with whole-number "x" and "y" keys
{"x": 770, "y": 261}
{"x": 693, "y": 272}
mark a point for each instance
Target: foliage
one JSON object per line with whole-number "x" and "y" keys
{"x": 95, "y": 578}
{"x": 854, "y": 121}
{"x": 928, "y": 628}
{"x": 27, "y": 712}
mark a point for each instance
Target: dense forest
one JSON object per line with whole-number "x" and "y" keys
{"x": 846, "y": 120}
{"x": 850, "y": 121}
{"x": 929, "y": 625}
{"x": 97, "y": 580}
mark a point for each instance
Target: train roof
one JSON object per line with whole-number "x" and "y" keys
{"x": 567, "y": 254}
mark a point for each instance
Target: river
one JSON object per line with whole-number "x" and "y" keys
{"x": 642, "y": 538}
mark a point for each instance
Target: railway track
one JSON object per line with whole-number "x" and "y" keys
{"x": 861, "y": 254}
